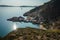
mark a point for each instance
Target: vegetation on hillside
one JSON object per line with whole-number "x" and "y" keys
{"x": 33, "y": 34}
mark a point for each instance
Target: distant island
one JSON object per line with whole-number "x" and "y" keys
{"x": 5, "y": 6}
{"x": 16, "y": 6}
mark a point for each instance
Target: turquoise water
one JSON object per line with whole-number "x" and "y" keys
{"x": 9, "y": 12}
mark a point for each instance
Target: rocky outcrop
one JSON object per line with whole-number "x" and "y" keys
{"x": 16, "y": 19}
{"x": 32, "y": 34}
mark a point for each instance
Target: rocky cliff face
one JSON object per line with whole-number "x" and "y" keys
{"x": 49, "y": 13}
{"x": 32, "y": 34}
{"x": 50, "y": 10}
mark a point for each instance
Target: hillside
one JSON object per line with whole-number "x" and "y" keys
{"x": 32, "y": 34}
{"x": 49, "y": 10}
{"x": 48, "y": 13}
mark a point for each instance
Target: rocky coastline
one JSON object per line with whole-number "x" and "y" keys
{"x": 48, "y": 13}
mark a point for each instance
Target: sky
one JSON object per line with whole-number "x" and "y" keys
{"x": 23, "y": 2}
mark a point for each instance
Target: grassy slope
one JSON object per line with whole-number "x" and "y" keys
{"x": 33, "y": 34}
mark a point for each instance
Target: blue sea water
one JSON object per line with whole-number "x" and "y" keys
{"x": 9, "y": 12}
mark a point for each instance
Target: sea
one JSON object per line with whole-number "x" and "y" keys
{"x": 9, "y": 12}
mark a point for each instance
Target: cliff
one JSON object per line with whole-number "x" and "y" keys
{"x": 48, "y": 13}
